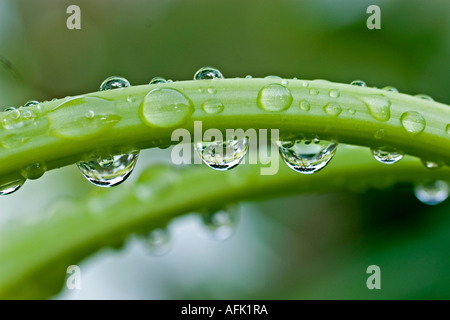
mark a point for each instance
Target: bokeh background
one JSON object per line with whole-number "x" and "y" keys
{"x": 309, "y": 246}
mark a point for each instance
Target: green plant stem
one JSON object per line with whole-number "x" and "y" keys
{"x": 37, "y": 141}
{"x": 34, "y": 258}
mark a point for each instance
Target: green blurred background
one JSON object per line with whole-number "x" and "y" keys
{"x": 312, "y": 246}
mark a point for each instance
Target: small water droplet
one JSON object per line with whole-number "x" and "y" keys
{"x": 31, "y": 103}
{"x": 157, "y": 80}
{"x": 379, "y": 134}
{"x": 170, "y": 81}
{"x": 413, "y": 122}
{"x": 201, "y": 90}
{"x": 221, "y": 224}
{"x": 108, "y": 171}
{"x": 378, "y": 106}
{"x": 212, "y": 90}
{"x": 390, "y": 89}
{"x": 90, "y": 114}
{"x": 212, "y": 106}
{"x": 304, "y": 83}
{"x": 208, "y": 73}
{"x": 14, "y": 140}
{"x": 114, "y": 82}
{"x": 431, "y": 164}
{"x": 274, "y": 97}
{"x": 131, "y": 98}
{"x": 352, "y": 111}
{"x": 222, "y": 155}
{"x": 333, "y": 109}
{"x": 334, "y": 93}
{"x": 34, "y": 171}
{"x": 157, "y": 242}
{"x": 272, "y": 77}
{"x": 284, "y": 82}
{"x": 12, "y": 186}
{"x": 424, "y": 97}
{"x": 248, "y": 77}
{"x": 165, "y": 108}
{"x": 305, "y": 105}
{"x": 387, "y": 155}
{"x": 313, "y": 91}
{"x": 305, "y": 157}
{"x": 432, "y": 193}
{"x": 358, "y": 83}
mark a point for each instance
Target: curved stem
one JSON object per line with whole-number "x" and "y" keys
{"x": 33, "y": 260}
{"x": 61, "y": 132}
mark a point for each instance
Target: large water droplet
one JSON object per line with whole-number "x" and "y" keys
{"x": 333, "y": 109}
{"x": 222, "y": 155}
{"x": 221, "y": 224}
{"x": 34, "y": 171}
{"x": 114, "y": 82}
{"x": 108, "y": 171}
{"x": 165, "y": 108}
{"x": 307, "y": 156}
{"x": 274, "y": 97}
{"x": 212, "y": 106}
{"x": 12, "y": 186}
{"x": 208, "y": 73}
{"x": 31, "y": 103}
{"x": 157, "y": 80}
{"x": 432, "y": 193}
{"x": 387, "y": 155}
{"x": 378, "y": 105}
{"x": 413, "y": 122}
{"x": 158, "y": 242}
{"x": 358, "y": 83}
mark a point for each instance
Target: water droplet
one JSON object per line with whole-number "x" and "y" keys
{"x": 90, "y": 114}
{"x": 248, "y": 77}
{"x": 65, "y": 121}
{"x": 432, "y": 193}
{"x": 413, "y": 122}
{"x": 274, "y": 97}
{"x": 208, "y": 73}
{"x": 333, "y": 109}
{"x": 157, "y": 80}
{"x": 313, "y": 91}
{"x": 358, "y": 83}
{"x": 387, "y": 155}
{"x": 157, "y": 242}
{"x": 272, "y": 77}
{"x": 378, "y": 105}
{"x": 379, "y": 134}
{"x": 31, "y": 103}
{"x": 108, "y": 171}
{"x": 131, "y": 98}
{"x": 221, "y": 224}
{"x": 424, "y": 97}
{"x": 284, "y": 82}
{"x": 352, "y": 111}
{"x": 12, "y": 186}
{"x": 165, "y": 108}
{"x": 222, "y": 155}
{"x": 306, "y": 157}
{"x": 212, "y": 106}
{"x": 212, "y": 90}
{"x": 114, "y": 82}
{"x": 201, "y": 90}
{"x": 431, "y": 164}
{"x": 34, "y": 171}
{"x": 304, "y": 83}
{"x": 390, "y": 89}
{"x": 305, "y": 105}
{"x": 170, "y": 81}
{"x": 14, "y": 140}
{"x": 334, "y": 93}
